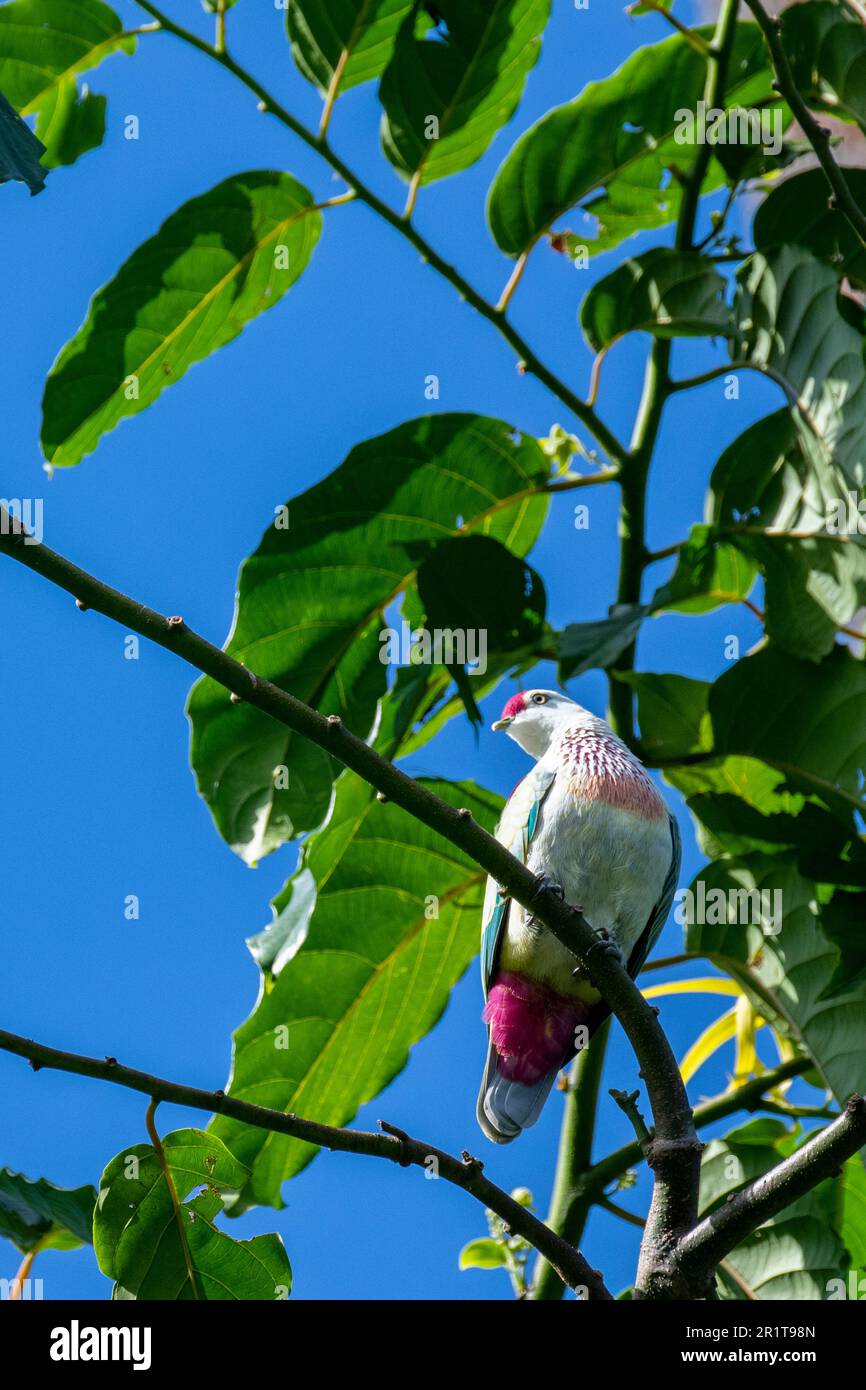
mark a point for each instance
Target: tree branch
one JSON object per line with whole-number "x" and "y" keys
{"x": 701, "y": 1250}
{"x": 748, "y": 1097}
{"x": 495, "y": 315}
{"x": 393, "y": 1144}
{"x": 816, "y": 134}
{"x": 676, "y": 1150}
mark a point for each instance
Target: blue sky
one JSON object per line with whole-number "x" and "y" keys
{"x": 98, "y": 798}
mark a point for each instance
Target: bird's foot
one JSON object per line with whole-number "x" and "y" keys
{"x": 604, "y": 945}
{"x": 553, "y": 889}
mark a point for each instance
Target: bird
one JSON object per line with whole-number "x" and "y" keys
{"x": 589, "y": 822}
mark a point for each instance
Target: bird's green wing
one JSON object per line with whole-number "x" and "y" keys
{"x": 515, "y": 831}
{"x": 650, "y": 935}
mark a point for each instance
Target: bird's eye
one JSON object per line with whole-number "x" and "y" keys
{"x": 539, "y": 699}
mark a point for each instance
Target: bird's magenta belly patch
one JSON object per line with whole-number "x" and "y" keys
{"x": 532, "y": 1027}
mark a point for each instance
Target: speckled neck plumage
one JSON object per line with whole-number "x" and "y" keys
{"x": 600, "y": 768}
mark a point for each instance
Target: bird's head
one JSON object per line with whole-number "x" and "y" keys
{"x": 534, "y": 718}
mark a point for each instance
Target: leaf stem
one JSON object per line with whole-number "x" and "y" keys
{"x": 150, "y": 1122}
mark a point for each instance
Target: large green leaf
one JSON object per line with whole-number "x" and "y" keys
{"x": 374, "y": 929}
{"x": 472, "y": 584}
{"x": 672, "y": 711}
{"x": 788, "y": 320}
{"x": 619, "y": 137}
{"x": 782, "y": 508}
{"x": 218, "y": 262}
{"x": 826, "y": 47}
{"x": 35, "y": 1212}
{"x": 791, "y": 1257}
{"x": 762, "y": 923}
{"x": 447, "y": 92}
{"x": 671, "y": 294}
{"x": 136, "y": 1236}
{"x": 311, "y": 601}
{"x": 801, "y": 718}
{"x": 344, "y": 42}
{"x": 45, "y": 45}
{"x": 798, "y": 210}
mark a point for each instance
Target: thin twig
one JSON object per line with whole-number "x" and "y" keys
{"x": 393, "y": 1145}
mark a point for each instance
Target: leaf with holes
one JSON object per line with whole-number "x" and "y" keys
{"x": 447, "y": 92}
{"x": 218, "y": 262}
{"x": 312, "y": 599}
{"x": 374, "y": 929}
{"x": 45, "y": 46}
{"x": 670, "y": 294}
{"x": 610, "y": 150}
{"x": 138, "y": 1242}
{"x": 338, "y": 44}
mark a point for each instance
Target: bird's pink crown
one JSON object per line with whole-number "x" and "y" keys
{"x": 514, "y": 706}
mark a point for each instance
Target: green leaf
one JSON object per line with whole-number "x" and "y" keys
{"x": 483, "y": 1254}
{"x": 20, "y": 151}
{"x": 670, "y": 294}
{"x": 842, "y": 920}
{"x": 806, "y": 731}
{"x": 620, "y": 137}
{"x": 791, "y": 1257}
{"x": 45, "y": 46}
{"x": 709, "y": 573}
{"x": 137, "y": 1239}
{"x": 788, "y": 506}
{"x": 366, "y": 968}
{"x": 762, "y": 923}
{"x": 797, "y": 210}
{"x": 447, "y": 93}
{"x": 850, "y": 1213}
{"x": 788, "y": 320}
{"x": 218, "y": 262}
{"x": 490, "y": 601}
{"x": 33, "y": 1211}
{"x": 345, "y": 42}
{"x": 826, "y": 48}
{"x": 672, "y": 713}
{"x": 584, "y": 646}
{"x": 312, "y": 600}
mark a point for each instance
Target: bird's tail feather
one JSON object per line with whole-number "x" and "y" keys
{"x": 506, "y": 1107}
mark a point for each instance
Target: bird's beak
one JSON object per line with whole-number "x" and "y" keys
{"x": 501, "y": 724}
